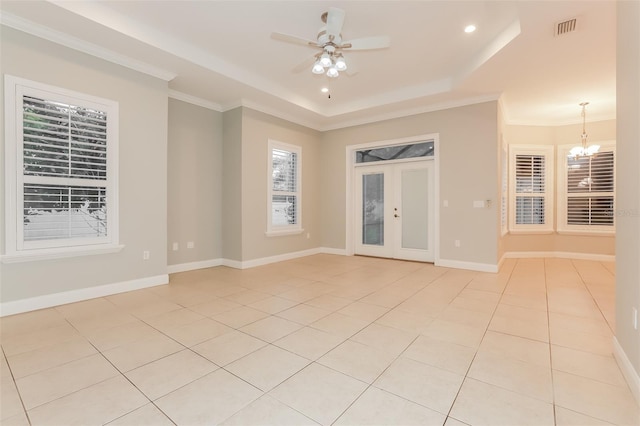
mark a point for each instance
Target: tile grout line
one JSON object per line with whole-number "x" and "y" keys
{"x": 15, "y": 385}
{"x": 466, "y": 374}
{"x": 125, "y": 377}
{"x": 553, "y": 388}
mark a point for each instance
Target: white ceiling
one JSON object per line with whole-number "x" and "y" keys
{"x": 222, "y": 53}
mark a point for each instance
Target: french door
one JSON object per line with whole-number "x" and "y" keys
{"x": 394, "y": 210}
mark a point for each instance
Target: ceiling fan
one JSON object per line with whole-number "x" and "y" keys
{"x": 330, "y": 59}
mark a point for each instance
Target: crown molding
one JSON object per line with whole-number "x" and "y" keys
{"x": 273, "y": 112}
{"x": 29, "y": 27}
{"x": 194, "y": 100}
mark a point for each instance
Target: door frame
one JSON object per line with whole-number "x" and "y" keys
{"x": 350, "y": 203}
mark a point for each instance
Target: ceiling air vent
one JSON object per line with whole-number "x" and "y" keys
{"x": 567, "y": 26}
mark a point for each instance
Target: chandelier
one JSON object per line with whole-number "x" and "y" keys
{"x": 583, "y": 150}
{"x": 329, "y": 62}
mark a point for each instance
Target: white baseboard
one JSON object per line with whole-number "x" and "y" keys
{"x": 560, "y": 255}
{"x": 62, "y": 298}
{"x": 238, "y": 264}
{"x": 471, "y": 266}
{"x": 336, "y": 251}
{"x": 191, "y": 266}
{"x": 271, "y": 259}
{"x": 629, "y": 373}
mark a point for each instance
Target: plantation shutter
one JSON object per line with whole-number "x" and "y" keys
{"x": 530, "y": 189}
{"x": 590, "y": 190}
{"x": 284, "y": 194}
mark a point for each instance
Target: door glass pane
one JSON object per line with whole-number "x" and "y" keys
{"x": 373, "y": 209}
{"x": 414, "y": 212}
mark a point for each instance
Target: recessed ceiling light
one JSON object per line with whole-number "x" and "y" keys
{"x": 324, "y": 90}
{"x": 469, "y": 28}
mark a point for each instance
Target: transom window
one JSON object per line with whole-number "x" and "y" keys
{"x": 395, "y": 152}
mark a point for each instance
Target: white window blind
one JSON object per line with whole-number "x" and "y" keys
{"x": 588, "y": 191}
{"x": 60, "y": 146}
{"x": 530, "y": 182}
{"x": 284, "y": 212}
{"x": 65, "y": 170}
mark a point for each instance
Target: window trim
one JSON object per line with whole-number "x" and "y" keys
{"x": 548, "y": 152}
{"x": 563, "y": 227}
{"x": 283, "y": 230}
{"x": 504, "y": 189}
{"x": 15, "y": 249}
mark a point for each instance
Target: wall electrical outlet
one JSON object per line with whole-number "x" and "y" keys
{"x": 175, "y": 246}
{"x": 146, "y": 255}
{"x": 190, "y": 244}
{"x": 456, "y": 243}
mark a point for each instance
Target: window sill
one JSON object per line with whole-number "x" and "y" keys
{"x": 284, "y": 232}
{"x": 59, "y": 253}
{"x": 587, "y": 233}
{"x": 530, "y": 232}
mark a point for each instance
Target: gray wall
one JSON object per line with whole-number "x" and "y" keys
{"x": 468, "y": 172}
{"x": 142, "y": 178}
{"x": 257, "y": 129}
{"x": 232, "y": 185}
{"x": 194, "y": 183}
{"x": 628, "y": 179}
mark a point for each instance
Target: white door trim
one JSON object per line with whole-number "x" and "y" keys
{"x": 350, "y": 206}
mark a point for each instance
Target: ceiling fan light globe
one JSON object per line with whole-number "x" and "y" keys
{"x": 332, "y": 72}
{"x": 317, "y": 68}
{"x": 325, "y": 60}
{"x": 341, "y": 65}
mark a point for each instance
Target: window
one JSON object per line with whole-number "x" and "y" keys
{"x": 395, "y": 152}
{"x": 530, "y": 194}
{"x": 285, "y": 199}
{"x": 586, "y": 191}
{"x": 61, "y": 152}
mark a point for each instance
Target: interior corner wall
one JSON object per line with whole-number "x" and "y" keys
{"x": 232, "y": 184}
{"x": 501, "y": 157}
{"x": 628, "y": 191}
{"x": 142, "y": 168}
{"x": 194, "y": 183}
{"x": 257, "y": 129}
{"x": 554, "y": 242}
{"x": 468, "y": 171}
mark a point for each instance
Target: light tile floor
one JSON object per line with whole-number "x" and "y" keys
{"x": 327, "y": 340}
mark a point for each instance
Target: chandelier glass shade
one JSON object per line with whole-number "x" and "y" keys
{"x": 329, "y": 63}
{"x": 583, "y": 150}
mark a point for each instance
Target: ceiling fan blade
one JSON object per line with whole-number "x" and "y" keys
{"x": 367, "y": 43}
{"x": 352, "y": 68}
{"x": 304, "y": 65}
{"x": 335, "y": 20}
{"x": 294, "y": 39}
